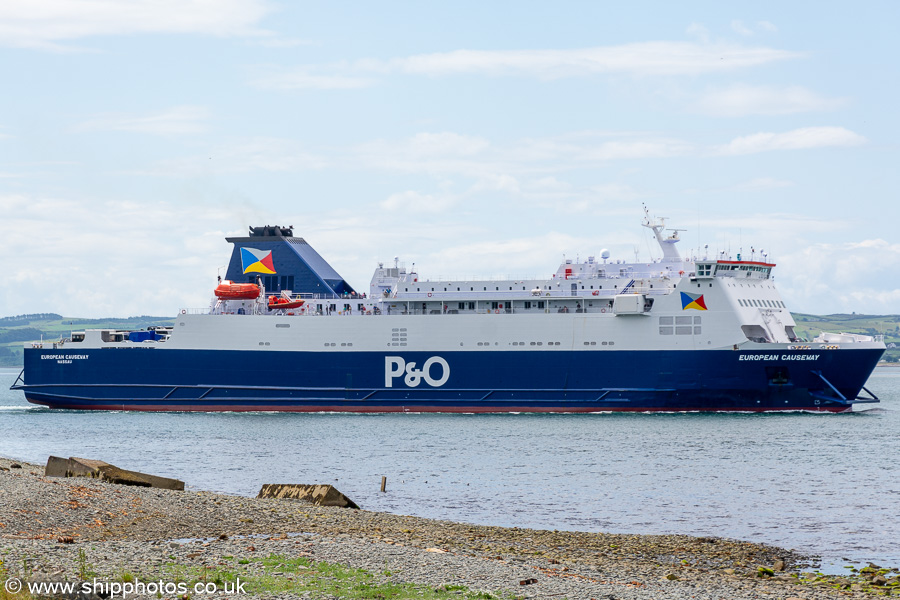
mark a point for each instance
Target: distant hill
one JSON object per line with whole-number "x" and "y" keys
{"x": 809, "y": 326}
{"x": 14, "y": 331}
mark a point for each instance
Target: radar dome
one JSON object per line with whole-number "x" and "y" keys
{"x": 604, "y": 254}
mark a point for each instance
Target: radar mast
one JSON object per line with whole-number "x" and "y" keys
{"x": 667, "y": 244}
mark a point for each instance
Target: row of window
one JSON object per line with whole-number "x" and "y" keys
{"x": 330, "y": 308}
{"x": 275, "y": 283}
{"x": 679, "y": 320}
{"x": 497, "y": 288}
{"x": 682, "y": 325}
{"x": 680, "y": 330}
{"x": 761, "y": 303}
{"x": 327, "y": 344}
{"x": 398, "y": 336}
{"x": 755, "y": 268}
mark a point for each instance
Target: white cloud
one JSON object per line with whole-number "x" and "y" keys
{"x": 46, "y": 24}
{"x": 595, "y": 199}
{"x": 474, "y": 156}
{"x": 696, "y": 30}
{"x": 738, "y": 27}
{"x": 805, "y": 138}
{"x": 412, "y": 201}
{"x": 447, "y": 143}
{"x": 763, "y": 183}
{"x": 174, "y": 121}
{"x": 435, "y": 153}
{"x": 740, "y": 100}
{"x": 302, "y": 78}
{"x": 646, "y": 58}
{"x": 777, "y": 225}
{"x": 117, "y": 258}
{"x": 745, "y": 30}
{"x": 636, "y": 149}
{"x": 847, "y": 277}
{"x": 244, "y": 155}
{"x": 499, "y": 182}
{"x": 520, "y": 257}
{"x": 282, "y": 42}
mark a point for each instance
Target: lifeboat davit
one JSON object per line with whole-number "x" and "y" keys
{"x": 237, "y": 291}
{"x": 277, "y": 303}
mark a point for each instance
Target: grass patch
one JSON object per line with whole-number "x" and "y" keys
{"x": 279, "y": 574}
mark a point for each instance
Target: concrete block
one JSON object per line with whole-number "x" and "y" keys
{"x": 320, "y": 495}
{"x": 85, "y": 467}
{"x": 97, "y": 469}
{"x": 56, "y": 467}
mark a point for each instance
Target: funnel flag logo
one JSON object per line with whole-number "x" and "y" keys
{"x": 694, "y": 301}
{"x": 257, "y": 261}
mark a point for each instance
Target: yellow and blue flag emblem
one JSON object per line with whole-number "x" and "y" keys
{"x": 257, "y": 261}
{"x": 694, "y": 301}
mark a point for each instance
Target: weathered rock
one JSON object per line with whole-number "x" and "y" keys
{"x": 97, "y": 469}
{"x": 321, "y": 495}
{"x": 778, "y": 566}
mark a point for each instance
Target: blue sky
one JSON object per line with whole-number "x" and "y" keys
{"x": 469, "y": 138}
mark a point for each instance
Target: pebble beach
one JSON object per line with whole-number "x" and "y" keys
{"x": 63, "y": 529}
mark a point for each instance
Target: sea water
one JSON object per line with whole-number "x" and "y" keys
{"x": 823, "y": 484}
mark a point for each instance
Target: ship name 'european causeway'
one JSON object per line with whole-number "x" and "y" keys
{"x": 285, "y": 332}
{"x": 779, "y": 357}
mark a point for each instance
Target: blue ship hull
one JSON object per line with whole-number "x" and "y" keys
{"x": 155, "y": 379}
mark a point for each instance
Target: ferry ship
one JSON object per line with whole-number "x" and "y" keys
{"x": 285, "y": 332}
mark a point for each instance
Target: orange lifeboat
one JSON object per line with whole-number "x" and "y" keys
{"x": 278, "y": 303}
{"x": 237, "y": 291}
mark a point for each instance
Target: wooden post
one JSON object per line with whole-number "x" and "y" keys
{"x": 383, "y": 482}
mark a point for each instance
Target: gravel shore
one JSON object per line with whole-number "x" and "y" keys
{"x": 59, "y": 528}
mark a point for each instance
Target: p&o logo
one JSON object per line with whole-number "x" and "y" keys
{"x": 396, "y": 366}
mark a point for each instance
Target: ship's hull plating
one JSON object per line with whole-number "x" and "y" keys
{"x": 155, "y": 379}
